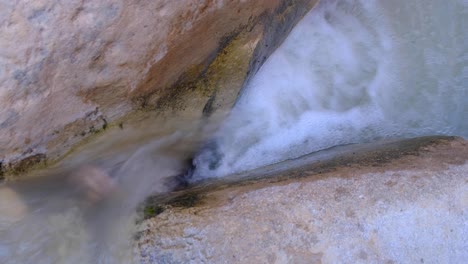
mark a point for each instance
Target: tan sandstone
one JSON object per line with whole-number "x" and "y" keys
{"x": 393, "y": 202}
{"x": 72, "y": 69}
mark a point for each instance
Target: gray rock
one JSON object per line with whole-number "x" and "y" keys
{"x": 392, "y": 202}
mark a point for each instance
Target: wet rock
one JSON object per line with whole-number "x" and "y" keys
{"x": 70, "y": 70}
{"x": 390, "y": 202}
{"x": 94, "y": 182}
{"x": 11, "y": 207}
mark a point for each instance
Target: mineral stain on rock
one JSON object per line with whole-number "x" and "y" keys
{"x": 351, "y": 156}
{"x": 18, "y": 168}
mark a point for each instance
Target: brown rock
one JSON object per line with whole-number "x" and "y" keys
{"x": 71, "y": 69}
{"x": 389, "y": 202}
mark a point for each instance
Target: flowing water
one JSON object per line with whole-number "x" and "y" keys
{"x": 351, "y": 71}
{"x": 88, "y": 213}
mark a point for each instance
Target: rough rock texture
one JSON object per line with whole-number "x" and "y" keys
{"x": 395, "y": 202}
{"x": 70, "y": 69}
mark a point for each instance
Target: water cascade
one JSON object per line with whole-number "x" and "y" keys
{"x": 350, "y": 72}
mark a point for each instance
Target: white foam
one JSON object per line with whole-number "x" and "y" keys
{"x": 351, "y": 71}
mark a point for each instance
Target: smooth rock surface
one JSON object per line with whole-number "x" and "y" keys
{"x": 400, "y": 202}
{"x": 71, "y": 69}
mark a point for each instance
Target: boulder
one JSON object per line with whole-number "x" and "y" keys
{"x": 72, "y": 69}
{"x": 403, "y": 201}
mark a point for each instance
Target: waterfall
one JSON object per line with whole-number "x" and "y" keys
{"x": 351, "y": 71}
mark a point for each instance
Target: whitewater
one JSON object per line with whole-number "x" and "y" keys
{"x": 350, "y": 72}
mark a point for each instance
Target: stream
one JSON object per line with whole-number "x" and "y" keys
{"x": 352, "y": 71}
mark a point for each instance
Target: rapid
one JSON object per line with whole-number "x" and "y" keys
{"x": 351, "y": 71}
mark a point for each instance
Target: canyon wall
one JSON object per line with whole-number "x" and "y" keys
{"x": 71, "y": 70}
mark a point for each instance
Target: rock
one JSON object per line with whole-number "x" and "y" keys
{"x": 12, "y": 208}
{"x": 69, "y": 70}
{"x": 94, "y": 182}
{"x": 392, "y": 202}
